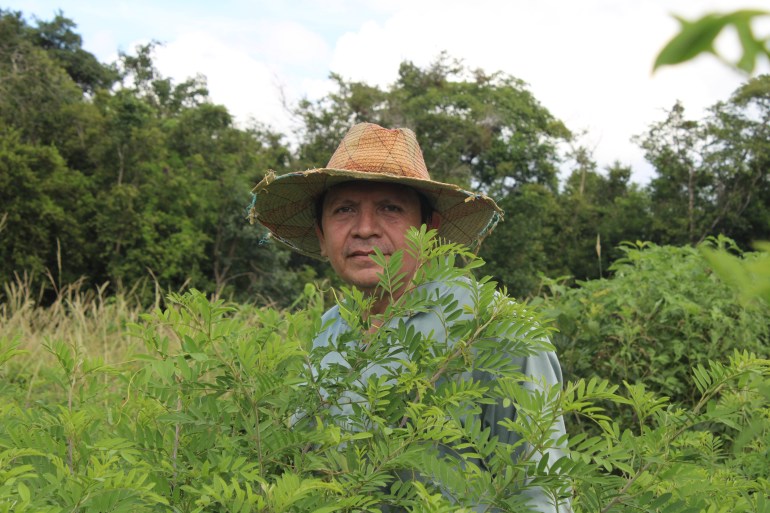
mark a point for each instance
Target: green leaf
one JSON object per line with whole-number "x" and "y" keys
{"x": 23, "y": 492}
{"x": 693, "y": 38}
{"x": 696, "y": 37}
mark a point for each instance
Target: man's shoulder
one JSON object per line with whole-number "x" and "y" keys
{"x": 330, "y": 324}
{"x": 462, "y": 287}
{"x": 332, "y": 314}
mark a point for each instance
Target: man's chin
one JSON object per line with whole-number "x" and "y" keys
{"x": 368, "y": 286}
{"x": 372, "y": 288}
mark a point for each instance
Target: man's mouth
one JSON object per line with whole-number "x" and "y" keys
{"x": 363, "y": 253}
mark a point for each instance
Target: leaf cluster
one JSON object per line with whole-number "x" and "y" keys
{"x": 661, "y": 314}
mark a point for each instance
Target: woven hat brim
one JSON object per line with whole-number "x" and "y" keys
{"x": 286, "y": 206}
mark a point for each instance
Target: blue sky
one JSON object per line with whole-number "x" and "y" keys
{"x": 587, "y": 61}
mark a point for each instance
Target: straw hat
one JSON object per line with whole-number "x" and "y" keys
{"x": 286, "y": 204}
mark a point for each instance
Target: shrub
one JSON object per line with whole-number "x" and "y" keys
{"x": 223, "y": 412}
{"x": 661, "y": 315}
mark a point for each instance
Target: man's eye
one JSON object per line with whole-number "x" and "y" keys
{"x": 392, "y": 208}
{"x": 342, "y": 210}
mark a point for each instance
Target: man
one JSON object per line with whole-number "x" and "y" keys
{"x": 375, "y": 187}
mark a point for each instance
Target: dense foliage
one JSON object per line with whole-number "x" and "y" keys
{"x": 663, "y": 314}
{"x": 117, "y": 174}
{"x": 221, "y": 409}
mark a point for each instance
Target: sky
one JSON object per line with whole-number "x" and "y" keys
{"x": 589, "y": 62}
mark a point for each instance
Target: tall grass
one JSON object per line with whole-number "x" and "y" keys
{"x": 87, "y": 319}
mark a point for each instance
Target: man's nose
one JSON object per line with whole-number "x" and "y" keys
{"x": 367, "y": 224}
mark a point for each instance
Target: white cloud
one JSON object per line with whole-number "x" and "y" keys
{"x": 588, "y": 62}
{"x": 255, "y": 68}
{"x": 293, "y": 44}
{"x": 249, "y": 88}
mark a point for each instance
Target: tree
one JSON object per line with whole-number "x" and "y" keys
{"x": 573, "y": 234}
{"x": 712, "y": 173}
{"x": 226, "y": 162}
{"x": 525, "y": 245}
{"x": 58, "y": 38}
{"x": 175, "y": 174}
{"x": 675, "y": 148}
{"x": 738, "y": 158}
{"x": 35, "y": 91}
{"x": 131, "y": 174}
{"x": 599, "y": 211}
{"x": 483, "y": 131}
{"x": 698, "y": 36}
{"x": 42, "y": 202}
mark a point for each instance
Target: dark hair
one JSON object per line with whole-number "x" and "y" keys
{"x": 426, "y": 208}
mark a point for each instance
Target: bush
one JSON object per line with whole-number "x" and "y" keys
{"x": 661, "y": 315}
{"x": 223, "y": 412}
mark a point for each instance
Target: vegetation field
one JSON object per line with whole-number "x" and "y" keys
{"x": 194, "y": 406}
{"x": 125, "y": 388}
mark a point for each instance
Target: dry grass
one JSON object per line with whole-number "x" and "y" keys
{"x": 89, "y": 324}
{"x": 88, "y": 319}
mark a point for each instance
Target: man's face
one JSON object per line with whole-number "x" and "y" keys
{"x": 357, "y": 217}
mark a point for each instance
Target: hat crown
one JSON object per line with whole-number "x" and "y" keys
{"x": 371, "y": 148}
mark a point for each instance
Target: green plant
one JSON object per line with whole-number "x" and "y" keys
{"x": 225, "y": 410}
{"x": 661, "y": 314}
{"x": 749, "y": 274}
{"x": 698, "y": 36}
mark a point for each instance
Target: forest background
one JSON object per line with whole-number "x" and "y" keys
{"x": 114, "y": 174}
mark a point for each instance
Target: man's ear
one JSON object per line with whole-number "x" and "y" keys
{"x": 434, "y": 222}
{"x": 321, "y": 240}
